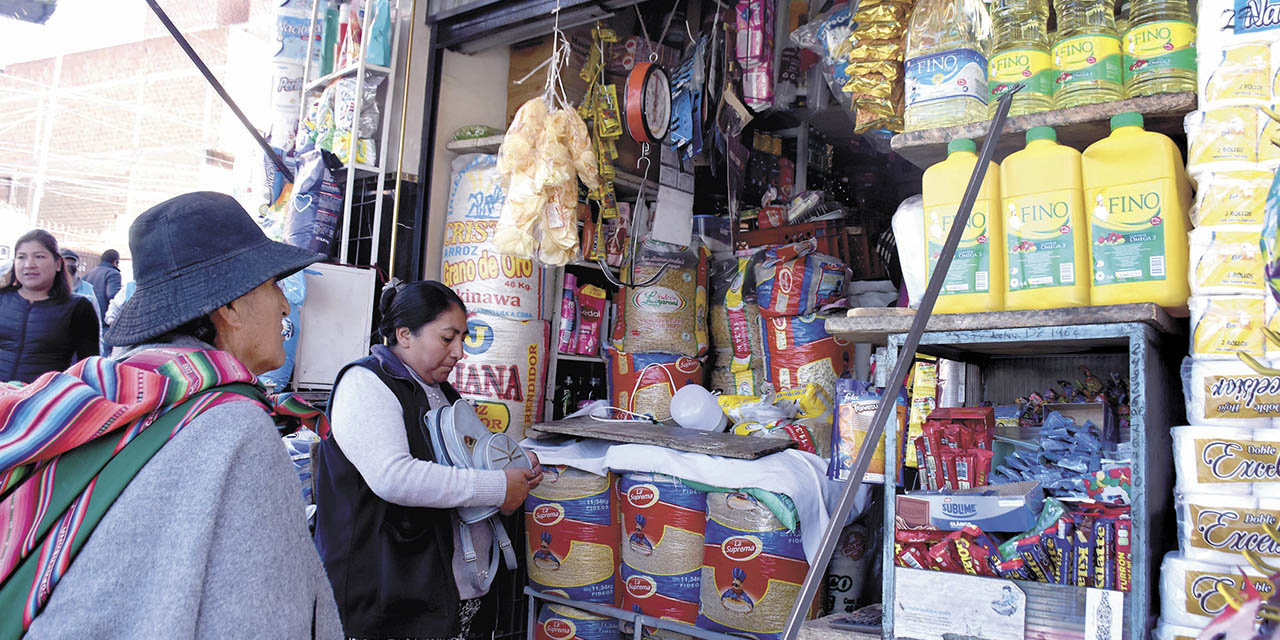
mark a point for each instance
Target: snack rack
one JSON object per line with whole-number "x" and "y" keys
{"x": 360, "y": 70}
{"x": 1006, "y": 358}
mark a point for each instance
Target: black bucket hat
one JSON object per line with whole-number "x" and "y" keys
{"x": 191, "y": 255}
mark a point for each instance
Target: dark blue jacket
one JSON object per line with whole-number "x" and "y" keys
{"x": 105, "y": 279}
{"x": 391, "y": 566}
{"x": 46, "y": 335}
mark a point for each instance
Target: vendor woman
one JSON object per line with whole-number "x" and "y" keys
{"x": 385, "y": 524}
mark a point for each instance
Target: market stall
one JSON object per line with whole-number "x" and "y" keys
{"x": 699, "y": 211}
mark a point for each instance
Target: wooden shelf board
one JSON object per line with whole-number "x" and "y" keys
{"x": 579, "y": 358}
{"x": 875, "y": 326}
{"x": 727, "y": 445}
{"x": 1076, "y": 127}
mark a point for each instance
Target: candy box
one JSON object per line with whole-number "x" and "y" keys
{"x": 1011, "y": 507}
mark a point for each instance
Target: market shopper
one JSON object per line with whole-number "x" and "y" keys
{"x": 43, "y": 326}
{"x": 208, "y": 537}
{"x": 105, "y": 279}
{"x": 79, "y": 286}
{"x": 385, "y": 526}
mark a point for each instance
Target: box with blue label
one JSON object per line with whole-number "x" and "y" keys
{"x": 1011, "y": 508}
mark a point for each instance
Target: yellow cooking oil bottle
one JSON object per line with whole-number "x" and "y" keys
{"x": 1020, "y": 53}
{"x": 1137, "y": 196}
{"x": 1046, "y": 232}
{"x": 1159, "y": 48}
{"x": 969, "y": 286}
{"x": 1086, "y": 53}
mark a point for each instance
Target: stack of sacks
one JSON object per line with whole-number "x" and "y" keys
{"x": 571, "y": 521}
{"x": 738, "y": 368}
{"x": 504, "y": 359}
{"x": 792, "y": 283}
{"x": 1228, "y": 485}
{"x": 664, "y": 522}
{"x": 659, "y": 336}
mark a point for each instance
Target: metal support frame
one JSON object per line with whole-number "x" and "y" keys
{"x": 426, "y": 151}
{"x": 818, "y": 568}
{"x": 638, "y": 620}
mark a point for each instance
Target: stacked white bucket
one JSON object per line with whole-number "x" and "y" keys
{"x": 1226, "y": 462}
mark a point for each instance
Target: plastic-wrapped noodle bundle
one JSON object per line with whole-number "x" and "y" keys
{"x": 572, "y": 524}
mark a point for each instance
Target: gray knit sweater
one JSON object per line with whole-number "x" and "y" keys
{"x": 209, "y": 540}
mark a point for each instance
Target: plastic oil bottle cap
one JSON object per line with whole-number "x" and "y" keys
{"x": 1130, "y": 119}
{"x": 1041, "y": 133}
{"x": 961, "y": 144}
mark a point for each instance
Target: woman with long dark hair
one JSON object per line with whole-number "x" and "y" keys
{"x": 42, "y": 326}
{"x": 385, "y": 521}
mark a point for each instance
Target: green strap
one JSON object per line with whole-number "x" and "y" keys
{"x": 75, "y": 470}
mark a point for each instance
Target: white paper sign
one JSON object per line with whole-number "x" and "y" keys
{"x": 673, "y": 219}
{"x": 1103, "y": 614}
{"x": 928, "y": 604}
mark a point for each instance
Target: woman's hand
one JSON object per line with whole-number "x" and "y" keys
{"x": 519, "y": 482}
{"x": 537, "y": 468}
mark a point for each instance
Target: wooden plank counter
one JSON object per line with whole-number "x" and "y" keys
{"x": 727, "y": 445}
{"x": 875, "y": 325}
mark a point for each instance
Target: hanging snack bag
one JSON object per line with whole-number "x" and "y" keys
{"x": 793, "y": 280}
{"x": 669, "y": 316}
{"x": 856, "y": 405}
{"x": 799, "y": 351}
{"x": 591, "y": 303}
{"x": 644, "y": 382}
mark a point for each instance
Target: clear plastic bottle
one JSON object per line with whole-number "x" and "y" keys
{"x": 1086, "y": 56}
{"x": 1020, "y": 53}
{"x": 1159, "y": 48}
{"x": 946, "y": 63}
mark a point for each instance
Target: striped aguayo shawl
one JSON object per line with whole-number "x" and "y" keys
{"x": 71, "y": 441}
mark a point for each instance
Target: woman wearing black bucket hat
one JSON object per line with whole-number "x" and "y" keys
{"x": 209, "y": 538}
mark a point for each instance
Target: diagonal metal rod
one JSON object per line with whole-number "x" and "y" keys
{"x": 818, "y": 568}
{"x": 217, "y": 86}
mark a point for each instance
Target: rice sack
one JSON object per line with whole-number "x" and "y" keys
{"x": 572, "y": 526}
{"x": 752, "y": 568}
{"x": 737, "y": 383}
{"x": 486, "y": 280}
{"x": 558, "y": 622}
{"x": 793, "y": 280}
{"x": 663, "y": 522}
{"x": 645, "y": 382}
{"x": 735, "y": 336}
{"x": 669, "y": 316}
{"x": 502, "y": 369}
{"x": 799, "y": 351}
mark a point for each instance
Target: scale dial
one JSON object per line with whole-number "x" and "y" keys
{"x": 648, "y": 104}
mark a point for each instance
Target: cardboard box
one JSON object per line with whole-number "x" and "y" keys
{"x": 526, "y": 56}
{"x": 1011, "y": 508}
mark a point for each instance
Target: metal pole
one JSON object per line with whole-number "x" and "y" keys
{"x": 404, "y": 114}
{"x": 217, "y": 86}
{"x": 818, "y": 568}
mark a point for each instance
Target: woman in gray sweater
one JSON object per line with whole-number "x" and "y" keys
{"x": 209, "y": 539}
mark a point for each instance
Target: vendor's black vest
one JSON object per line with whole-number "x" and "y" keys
{"x": 391, "y": 566}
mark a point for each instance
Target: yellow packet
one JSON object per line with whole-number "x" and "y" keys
{"x": 608, "y": 122}
{"x": 1226, "y": 261}
{"x": 1268, "y": 134}
{"x": 878, "y": 31}
{"x": 811, "y": 401}
{"x": 1222, "y": 326}
{"x": 886, "y": 12}
{"x": 890, "y": 70}
{"x": 1243, "y": 74}
{"x": 873, "y": 84}
{"x": 1229, "y": 134}
{"x": 876, "y": 50}
{"x": 1231, "y": 198}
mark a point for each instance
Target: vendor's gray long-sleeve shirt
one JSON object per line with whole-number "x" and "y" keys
{"x": 209, "y": 540}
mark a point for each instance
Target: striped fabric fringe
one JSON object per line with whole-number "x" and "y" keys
{"x": 65, "y": 434}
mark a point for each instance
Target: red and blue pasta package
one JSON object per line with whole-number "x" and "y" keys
{"x": 794, "y": 280}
